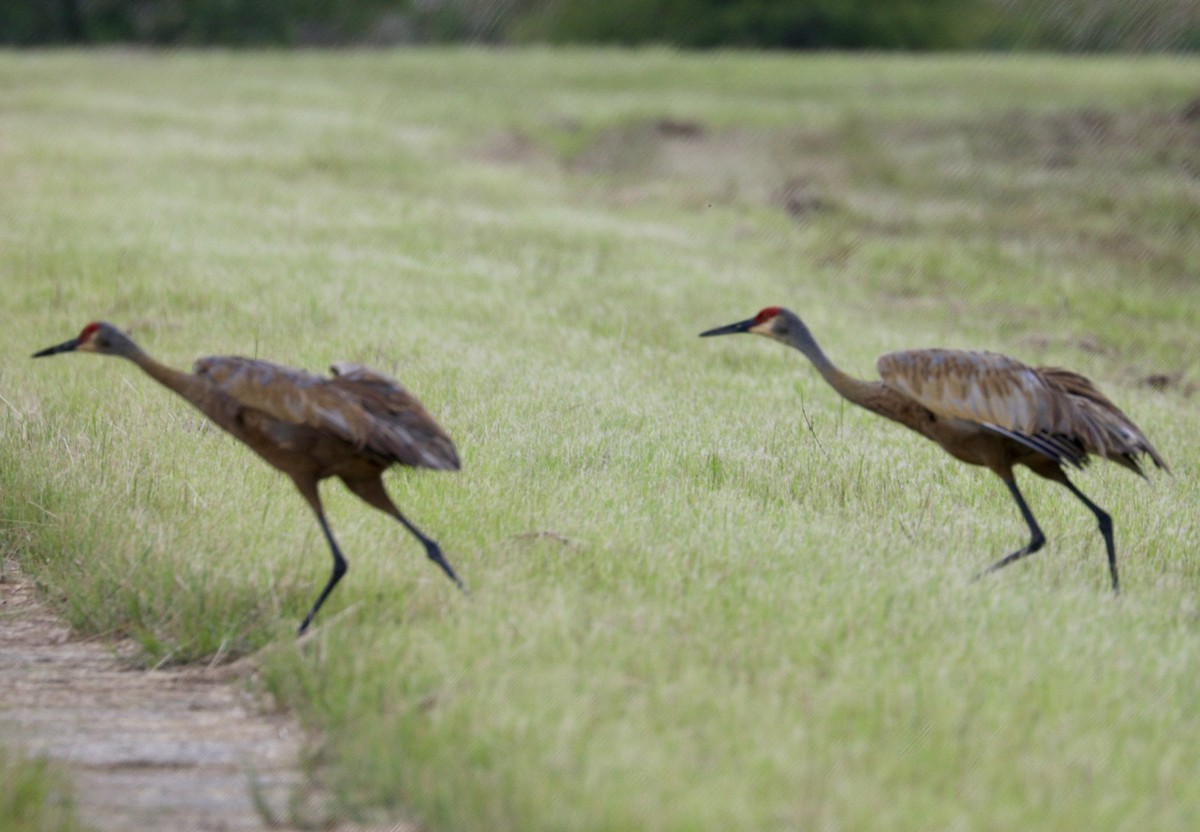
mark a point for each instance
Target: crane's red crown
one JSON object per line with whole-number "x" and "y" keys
{"x": 766, "y": 314}
{"x": 87, "y": 331}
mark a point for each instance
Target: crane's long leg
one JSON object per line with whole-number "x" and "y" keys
{"x": 309, "y": 490}
{"x": 374, "y": 494}
{"x": 1106, "y": 530}
{"x": 1037, "y": 539}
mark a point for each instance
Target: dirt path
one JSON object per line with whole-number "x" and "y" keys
{"x": 160, "y": 750}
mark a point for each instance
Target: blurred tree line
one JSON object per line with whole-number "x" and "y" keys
{"x": 1060, "y": 25}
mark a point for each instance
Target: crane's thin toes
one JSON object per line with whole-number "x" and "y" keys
{"x": 434, "y": 553}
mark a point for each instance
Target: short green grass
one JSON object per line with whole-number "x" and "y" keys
{"x": 706, "y": 593}
{"x": 34, "y": 796}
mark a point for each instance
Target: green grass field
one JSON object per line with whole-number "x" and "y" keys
{"x": 706, "y": 593}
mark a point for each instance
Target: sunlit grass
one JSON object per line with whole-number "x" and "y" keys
{"x": 706, "y": 593}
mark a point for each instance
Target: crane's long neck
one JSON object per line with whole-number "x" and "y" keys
{"x": 191, "y": 387}
{"x": 862, "y": 393}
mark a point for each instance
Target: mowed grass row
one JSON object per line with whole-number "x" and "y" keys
{"x": 706, "y": 594}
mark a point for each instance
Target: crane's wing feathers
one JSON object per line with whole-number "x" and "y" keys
{"x": 348, "y": 409}
{"x": 1121, "y": 438}
{"x": 388, "y": 402}
{"x": 1053, "y": 411}
{"x": 1061, "y": 449}
{"x": 975, "y": 386}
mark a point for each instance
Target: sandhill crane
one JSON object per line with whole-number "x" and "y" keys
{"x": 352, "y": 426}
{"x": 984, "y": 409}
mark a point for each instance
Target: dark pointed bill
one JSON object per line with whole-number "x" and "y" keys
{"x": 65, "y": 346}
{"x": 740, "y": 326}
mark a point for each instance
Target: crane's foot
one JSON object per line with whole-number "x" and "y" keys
{"x": 434, "y": 553}
{"x": 308, "y": 619}
{"x": 1036, "y": 543}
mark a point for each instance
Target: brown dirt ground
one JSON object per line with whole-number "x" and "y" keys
{"x": 171, "y": 749}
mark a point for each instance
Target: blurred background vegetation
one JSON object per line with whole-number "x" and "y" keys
{"x": 1056, "y": 25}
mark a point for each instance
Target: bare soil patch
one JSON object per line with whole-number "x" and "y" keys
{"x": 179, "y": 749}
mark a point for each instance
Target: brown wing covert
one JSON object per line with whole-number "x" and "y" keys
{"x": 402, "y": 428}
{"x": 980, "y": 387}
{"x": 287, "y": 394}
{"x": 1056, "y": 412}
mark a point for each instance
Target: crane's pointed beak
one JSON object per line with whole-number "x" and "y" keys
{"x": 65, "y": 346}
{"x": 740, "y": 326}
